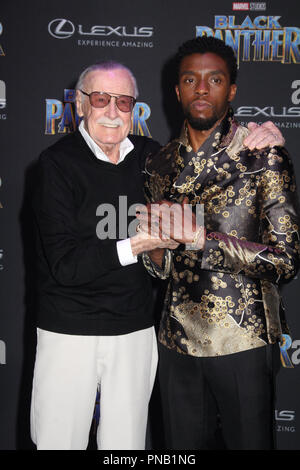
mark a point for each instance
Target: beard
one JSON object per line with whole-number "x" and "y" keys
{"x": 201, "y": 124}
{"x": 204, "y": 124}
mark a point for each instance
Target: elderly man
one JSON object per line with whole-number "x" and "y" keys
{"x": 223, "y": 317}
{"x": 95, "y": 323}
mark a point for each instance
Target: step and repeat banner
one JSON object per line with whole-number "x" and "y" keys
{"x": 43, "y": 48}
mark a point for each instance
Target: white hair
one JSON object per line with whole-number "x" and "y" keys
{"x": 106, "y": 66}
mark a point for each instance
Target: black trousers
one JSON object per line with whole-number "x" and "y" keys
{"x": 224, "y": 402}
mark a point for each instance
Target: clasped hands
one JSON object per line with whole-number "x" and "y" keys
{"x": 166, "y": 225}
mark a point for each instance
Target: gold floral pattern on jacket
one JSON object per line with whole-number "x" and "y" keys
{"x": 226, "y": 299}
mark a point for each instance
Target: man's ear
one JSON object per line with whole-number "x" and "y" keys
{"x": 177, "y": 92}
{"x": 78, "y": 103}
{"x": 232, "y": 92}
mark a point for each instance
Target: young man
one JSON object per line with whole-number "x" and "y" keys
{"x": 222, "y": 317}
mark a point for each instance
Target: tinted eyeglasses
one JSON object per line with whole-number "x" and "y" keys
{"x": 100, "y": 99}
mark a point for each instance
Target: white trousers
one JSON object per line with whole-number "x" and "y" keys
{"x": 68, "y": 370}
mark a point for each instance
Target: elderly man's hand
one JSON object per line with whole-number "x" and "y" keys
{"x": 172, "y": 222}
{"x": 266, "y": 135}
{"x": 145, "y": 242}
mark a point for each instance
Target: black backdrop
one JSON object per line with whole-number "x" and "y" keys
{"x": 43, "y": 48}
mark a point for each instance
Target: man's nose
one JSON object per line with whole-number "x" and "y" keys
{"x": 202, "y": 87}
{"x": 112, "y": 109}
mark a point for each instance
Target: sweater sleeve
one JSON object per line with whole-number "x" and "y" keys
{"x": 73, "y": 259}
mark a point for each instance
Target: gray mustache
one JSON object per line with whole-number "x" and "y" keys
{"x": 104, "y": 120}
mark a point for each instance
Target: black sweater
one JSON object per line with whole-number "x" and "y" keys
{"x": 82, "y": 287}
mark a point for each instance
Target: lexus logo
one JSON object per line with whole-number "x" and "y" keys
{"x": 61, "y": 28}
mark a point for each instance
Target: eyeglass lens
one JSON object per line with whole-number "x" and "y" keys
{"x": 100, "y": 100}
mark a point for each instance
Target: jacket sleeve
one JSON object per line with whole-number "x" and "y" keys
{"x": 276, "y": 258}
{"x": 154, "y": 270}
{"x": 73, "y": 259}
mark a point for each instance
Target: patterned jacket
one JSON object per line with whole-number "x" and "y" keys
{"x": 226, "y": 298}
